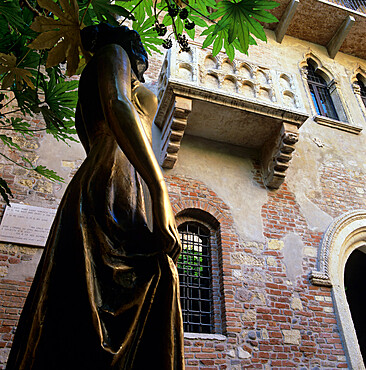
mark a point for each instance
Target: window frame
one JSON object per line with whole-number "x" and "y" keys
{"x": 187, "y": 284}
{"x": 315, "y": 87}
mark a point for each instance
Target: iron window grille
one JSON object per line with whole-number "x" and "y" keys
{"x": 320, "y": 94}
{"x": 194, "y": 268}
{"x": 362, "y": 91}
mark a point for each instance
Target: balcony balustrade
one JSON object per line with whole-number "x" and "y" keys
{"x": 356, "y": 5}
{"x": 237, "y": 103}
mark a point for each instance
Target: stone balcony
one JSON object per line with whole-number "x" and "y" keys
{"x": 339, "y": 25}
{"x": 238, "y": 103}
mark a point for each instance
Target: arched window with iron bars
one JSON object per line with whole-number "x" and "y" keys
{"x": 320, "y": 94}
{"x": 194, "y": 268}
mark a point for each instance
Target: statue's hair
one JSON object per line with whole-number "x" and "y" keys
{"x": 96, "y": 36}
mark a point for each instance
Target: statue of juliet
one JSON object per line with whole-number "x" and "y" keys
{"x": 106, "y": 292}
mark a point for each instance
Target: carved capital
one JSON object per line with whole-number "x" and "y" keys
{"x": 304, "y": 73}
{"x": 356, "y": 88}
{"x": 320, "y": 278}
{"x": 277, "y": 154}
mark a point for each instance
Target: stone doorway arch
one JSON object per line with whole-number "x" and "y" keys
{"x": 344, "y": 235}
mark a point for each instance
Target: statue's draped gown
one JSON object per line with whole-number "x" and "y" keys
{"x": 103, "y": 297}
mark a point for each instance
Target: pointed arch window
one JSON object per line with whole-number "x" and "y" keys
{"x": 194, "y": 268}
{"x": 362, "y": 89}
{"x": 320, "y": 94}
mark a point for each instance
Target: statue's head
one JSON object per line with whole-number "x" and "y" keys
{"x": 96, "y": 36}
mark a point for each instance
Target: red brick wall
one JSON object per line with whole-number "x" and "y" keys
{"x": 268, "y": 320}
{"x": 12, "y": 296}
{"x": 262, "y": 305}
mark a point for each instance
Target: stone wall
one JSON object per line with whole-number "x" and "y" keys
{"x": 272, "y": 317}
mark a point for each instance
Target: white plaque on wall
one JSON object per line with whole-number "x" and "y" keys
{"x": 24, "y": 224}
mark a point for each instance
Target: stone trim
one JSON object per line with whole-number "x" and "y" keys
{"x": 203, "y": 336}
{"x": 321, "y": 275}
{"x": 344, "y": 126}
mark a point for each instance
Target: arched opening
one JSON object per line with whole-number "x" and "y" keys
{"x": 362, "y": 86}
{"x": 200, "y": 272}
{"x": 320, "y": 93}
{"x": 194, "y": 268}
{"x": 345, "y": 235}
{"x": 354, "y": 285}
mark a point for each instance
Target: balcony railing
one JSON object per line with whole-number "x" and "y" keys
{"x": 240, "y": 79}
{"x": 356, "y": 5}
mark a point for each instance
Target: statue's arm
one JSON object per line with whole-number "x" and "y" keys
{"x": 114, "y": 79}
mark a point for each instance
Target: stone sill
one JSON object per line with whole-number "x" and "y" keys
{"x": 344, "y": 126}
{"x": 202, "y": 336}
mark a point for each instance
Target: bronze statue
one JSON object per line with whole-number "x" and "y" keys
{"x": 106, "y": 292}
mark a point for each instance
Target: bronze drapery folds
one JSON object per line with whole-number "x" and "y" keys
{"x": 106, "y": 292}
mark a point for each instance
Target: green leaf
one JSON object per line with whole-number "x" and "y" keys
{"x": 61, "y": 97}
{"x": 5, "y": 191}
{"x": 233, "y": 32}
{"x": 148, "y": 35}
{"x": 223, "y": 23}
{"x": 191, "y": 33}
{"x": 27, "y": 100}
{"x": 217, "y": 45}
{"x": 167, "y": 20}
{"x": 8, "y": 141}
{"x": 263, "y": 4}
{"x": 254, "y": 27}
{"x": 230, "y": 51}
{"x": 11, "y": 11}
{"x": 208, "y": 31}
{"x": 19, "y": 125}
{"x": 208, "y": 41}
{"x": 263, "y": 16}
{"x": 199, "y": 21}
{"x": 49, "y": 174}
{"x": 141, "y": 11}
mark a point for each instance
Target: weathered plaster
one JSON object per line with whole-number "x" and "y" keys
{"x": 292, "y": 255}
{"x": 231, "y": 180}
{"x": 24, "y": 269}
{"x": 53, "y": 155}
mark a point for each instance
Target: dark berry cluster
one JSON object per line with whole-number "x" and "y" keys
{"x": 189, "y": 25}
{"x": 173, "y": 10}
{"x": 167, "y": 44}
{"x": 183, "y": 43}
{"x": 160, "y": 29}
{"x": 183, "y": 13}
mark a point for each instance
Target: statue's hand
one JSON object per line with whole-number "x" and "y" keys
{"x": 165, "y": 228}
